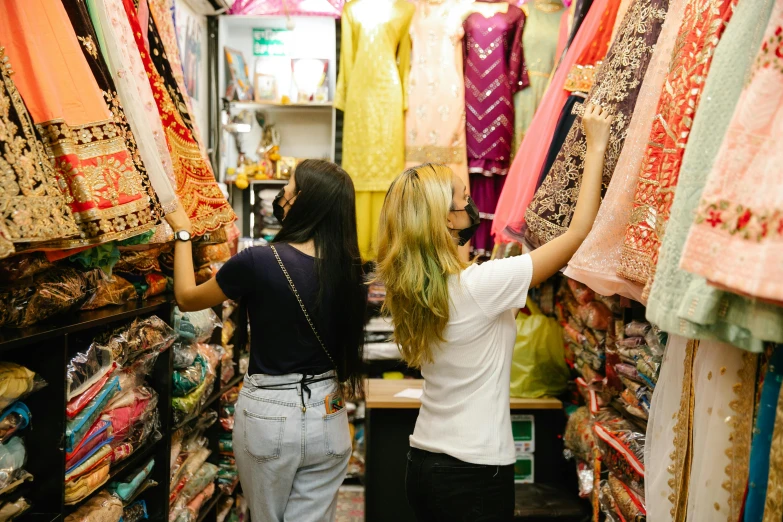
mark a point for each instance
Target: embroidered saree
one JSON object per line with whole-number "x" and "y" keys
{"x": 94, "y": 157}
{"x": 198, "y": 192}
{"x": 737, "y": 238}
{"x": 595, "y": 263}
{"x": 616, "y": 89}
{"x": 127, "y": 71}
{"x": 700, "y": 32}
{"x": 523, "y": 175}
{"x": 33, "y": 209}
{"x": 680, "y": 302}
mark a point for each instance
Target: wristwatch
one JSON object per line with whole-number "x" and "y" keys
{"x": 182, "y": 235}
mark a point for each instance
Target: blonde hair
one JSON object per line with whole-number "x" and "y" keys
{"x": 416, "y": 256}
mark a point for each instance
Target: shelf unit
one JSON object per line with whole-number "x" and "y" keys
{"x": 46, "y": 349}
{"x": 307, "y": 130}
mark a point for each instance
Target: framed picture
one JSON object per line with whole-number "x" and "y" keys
{"x": 310, "y": 79}
{"x": 265, "y": 87}
{"x": 238, "y": 81}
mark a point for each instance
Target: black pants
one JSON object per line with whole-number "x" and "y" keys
{"x": 441, "y": 488}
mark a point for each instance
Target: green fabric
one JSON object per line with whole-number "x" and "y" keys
{"x": 141, "y": 239}
{"x": 682, "y": 303}
{"x": 103, "y": 256}
{"x": 98, "y": 28}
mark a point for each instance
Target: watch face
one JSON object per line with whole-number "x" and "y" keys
{"x": 182, "y": 235}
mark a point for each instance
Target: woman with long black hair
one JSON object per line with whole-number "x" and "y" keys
{"x": 306, "y": 304}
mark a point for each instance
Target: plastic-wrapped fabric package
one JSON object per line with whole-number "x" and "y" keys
{"x": 608, "y": 506}
{"x": 224, "y": 508}
{"x": 595, "y": 315}
{"x": 186, "y": 380}
{"x": 77, "y": 427}
{"x": 52, "y": 292}
{"x": 14, "y": 509}
{"x": 228, "y": 407}
{"x": 79, "y": 402}
{"x": 156, "y": 285}
{"x": 13, "y": 457}
{"x": 628, "y": 502}
{"x": 145, "y": 428}
{"x": 622, "y": 448}
{"x": 191, "y": 511}
{"x": 195, "y": 326}
{"x": 23, "y": 266}
{"x": 77, "y": 490}
{"x": 184, "y": 354}
{"x": 143, "y": 335}
{"x": 190, "y": 403}
{"x": 204, "y": 476}
{"x": 140, "y": 261}
{"x": 100, "y": 457}
{"x": 135, "y": 374}
{"x": 207, "y": 254}
{"x": 135, "y": 512}
{"x": 227, "y": 366}
{"x": 17, "y": 382}
{"x": 86, "y": 368}
{"x": 13, "y": 420}
{"x": 228, "y": 476}
{"x": 98, "y": 434}
{"x": 226, "y": 444}
{"x": 581, "y": 292}
{"x": 103, "y": 507}
{"x": 579, "y": 439}
{"x": 127, "y": 490}
{"x": 112, "y": 290}
{"x": 129, "y": 408}
{"x": 182, "y": 473}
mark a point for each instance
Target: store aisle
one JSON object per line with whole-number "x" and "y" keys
{"x": 350, "y": 504}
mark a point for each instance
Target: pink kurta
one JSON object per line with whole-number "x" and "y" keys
{"x": 435, "y": 121}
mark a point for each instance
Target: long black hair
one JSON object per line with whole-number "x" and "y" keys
{"x": 325, "y": 211}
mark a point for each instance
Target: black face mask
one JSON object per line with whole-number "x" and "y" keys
{"x": 466, "y": 234}
{"x": 278, "y": 210}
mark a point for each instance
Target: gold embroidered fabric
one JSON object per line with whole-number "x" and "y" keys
{"x": 616, "y": 89}
{"x": 773, "y": 507}
{"x": 32, "y": 206}
{"x": 680, "y": 467}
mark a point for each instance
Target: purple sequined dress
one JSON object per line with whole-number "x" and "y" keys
{"x": 494, "y": 71}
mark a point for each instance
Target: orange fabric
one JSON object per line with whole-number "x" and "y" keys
{"x": 700, "y": 32}
{"x": 108, "y": 196}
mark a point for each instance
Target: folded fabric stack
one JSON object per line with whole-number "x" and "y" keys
{"x": 111, "y": 412}
{"x": 16, "y": 383}
{"x": 617, "y": 366}
{"x": 193, "y": 385}
{"x": 192, "y": 477}
{"x": 230, "y": 317}
{"x": 265, "y": 223}
{"x": 228, "y": 476}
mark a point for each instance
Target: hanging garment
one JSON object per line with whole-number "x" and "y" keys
{"x": 581, "y": 77}
{"x": 616, "y": 89}
{"x": 196, "y": 188}
{"x": 435, "y": 121}
{"x": 595, "y": 263}
{"x": 371, "y": 87}
{"x": 162, "y": 12}
{"x": 736, "y": 241}
{"x": 773, "y": 505}
{"x": 564, "y": 124}
{"x": 494, "y": 71}
{"x": 144, "y": 156}
{"x": 769, "y": 409}
{"x": 701, "y": 422}
{"x": 680, "y": 302}
{"x": 85, "y": 135}
{"x": 33, "y": 209}
{"x": 700, "y": 32}
{"x": 539, "y": 41}
{"x": 124, "y": 63}
{"x": 580, "y": 10}
{"x": 523, "y": 174}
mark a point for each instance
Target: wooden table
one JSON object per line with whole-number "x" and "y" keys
{"x": 390, "y": 421}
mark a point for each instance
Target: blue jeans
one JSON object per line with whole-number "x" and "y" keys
{"x": 291, "y": 456}
{"x": 441, "y": 488}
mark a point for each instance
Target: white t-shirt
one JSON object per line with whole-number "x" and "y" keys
{"x": 465, "y": 406}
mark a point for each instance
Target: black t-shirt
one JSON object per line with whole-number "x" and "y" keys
{"x": 282, "y": 341}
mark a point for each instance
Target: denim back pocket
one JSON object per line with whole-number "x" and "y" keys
{"x": 263, "y": 436}
{"x": 337, "y": 434}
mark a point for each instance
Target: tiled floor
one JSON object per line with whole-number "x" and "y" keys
{"x": 350, "y": 504}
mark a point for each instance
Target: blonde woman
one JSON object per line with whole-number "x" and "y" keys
{"x": 456, "y": 322}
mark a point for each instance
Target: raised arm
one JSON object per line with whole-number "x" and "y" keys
{"x": 553, "y": 256}
{"x": 189, "y": 296}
